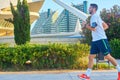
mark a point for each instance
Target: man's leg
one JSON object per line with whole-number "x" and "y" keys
{"x": 111, "y": 59}
{"x": 91, "y": 60}
{"x": 93, "y": 51}
{"x": 114, "y": 62}
{"x": 105, "y": 49}
{"x": 90, "y": 64}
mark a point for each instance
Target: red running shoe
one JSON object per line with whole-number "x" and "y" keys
{"x": 84, "y": 77}
{"x": 118, "y": 76}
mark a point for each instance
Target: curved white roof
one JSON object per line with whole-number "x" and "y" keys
{"x": 6, "y": 3}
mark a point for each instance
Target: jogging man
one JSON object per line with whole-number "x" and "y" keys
{"x": 99, "y": 42}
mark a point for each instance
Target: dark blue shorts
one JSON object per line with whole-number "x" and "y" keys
{"x": 100, "y": 46}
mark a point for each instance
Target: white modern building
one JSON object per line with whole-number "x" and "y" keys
{"x": 49, "y": 21}
{"x": 67, "y": 22}
{"x": 45, "y": 24}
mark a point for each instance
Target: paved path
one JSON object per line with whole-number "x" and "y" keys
{"x": 59, "y": 75}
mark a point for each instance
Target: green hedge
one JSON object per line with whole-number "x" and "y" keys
{"x": 49, "y": 56}
{"x": 115, "y": 46}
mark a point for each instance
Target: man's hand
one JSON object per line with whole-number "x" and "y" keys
{"x": 83, "y": 25}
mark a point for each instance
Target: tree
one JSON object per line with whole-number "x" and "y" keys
{"x": 21, "y": 21}
{"x": 112, "y": 18}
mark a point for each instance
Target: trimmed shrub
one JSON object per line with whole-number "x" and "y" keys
{"x": 103, "y": 66}
{"x": 4, "y": 45}
{"x": 49, "y": 56}
{"x": 115, "y": 45}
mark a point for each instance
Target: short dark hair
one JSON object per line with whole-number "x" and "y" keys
{"x": 94, "y": 6}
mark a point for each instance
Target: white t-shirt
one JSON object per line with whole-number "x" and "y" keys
{"x": 99, "y": 33}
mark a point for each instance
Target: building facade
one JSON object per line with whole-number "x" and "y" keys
{"x": 49, "y": 22}
{"x": 68, "y": 22}
{"x": 44, "y": 24}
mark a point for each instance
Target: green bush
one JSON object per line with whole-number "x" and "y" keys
{"x": 4, "y": 45}
{"x": 102, "y": 66}
{"x": 115, "y": 46}
{"x": 49, "y": 56}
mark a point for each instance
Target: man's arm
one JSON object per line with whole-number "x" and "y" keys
{"x": 87, "y": 25}
{"x": 105, "y": 26}
{"x": 90, "y": 28}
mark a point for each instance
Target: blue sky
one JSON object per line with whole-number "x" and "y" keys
{"x": 101, "y": 4}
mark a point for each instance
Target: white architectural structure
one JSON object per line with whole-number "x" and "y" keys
{"x": 73, "y": 10}
{"x": 65, "y": 22}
